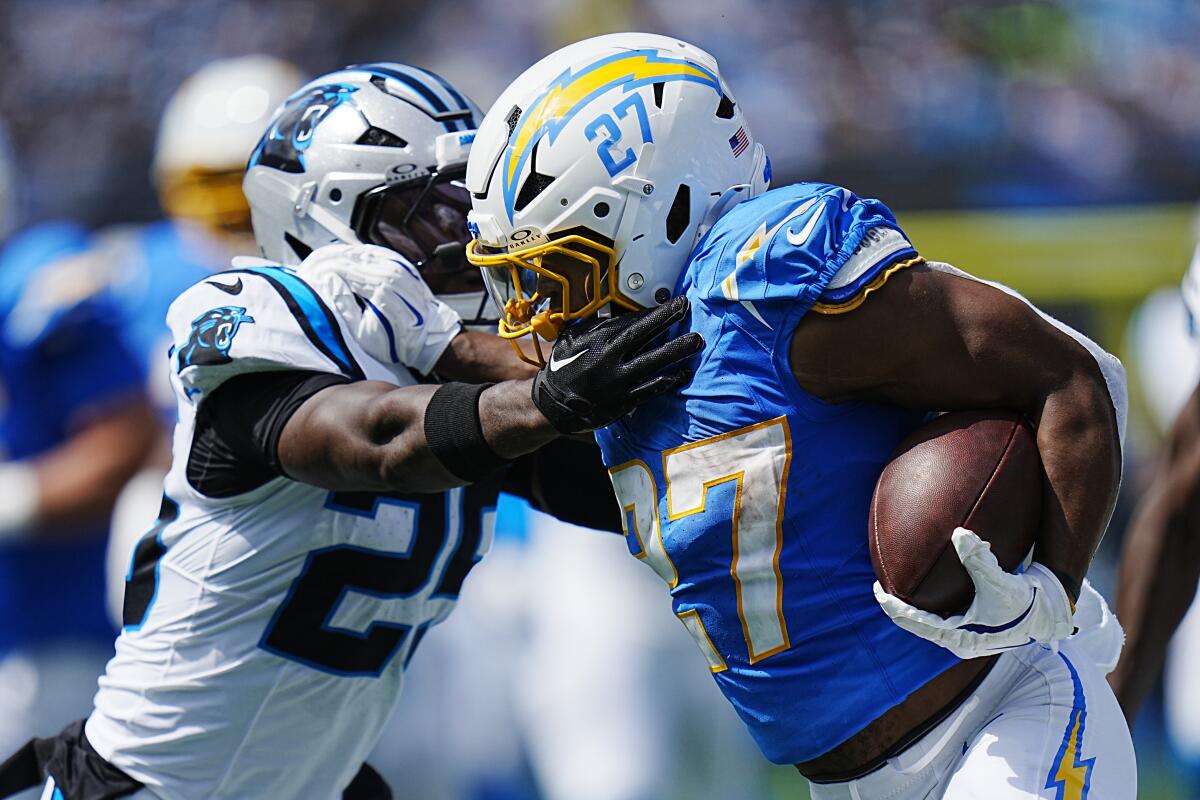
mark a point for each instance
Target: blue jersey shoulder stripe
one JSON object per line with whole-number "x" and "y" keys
{"x": 314, "y": 317}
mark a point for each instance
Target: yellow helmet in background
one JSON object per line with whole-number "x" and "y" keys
{"x": 207, "y": 131}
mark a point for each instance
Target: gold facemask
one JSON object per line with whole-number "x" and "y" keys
{"x": 542, "y": 287}
{"x": 212, "y": 198}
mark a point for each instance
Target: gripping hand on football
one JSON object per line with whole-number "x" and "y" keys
{"x": 601, "y": 369}
{"x": 1008, "y": 611}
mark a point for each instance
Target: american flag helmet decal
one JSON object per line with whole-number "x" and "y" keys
{"x": 739, "y": 142}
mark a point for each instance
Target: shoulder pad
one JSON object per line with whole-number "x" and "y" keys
{"x": 254, "y": 319}
{"x": 786, "y": 250}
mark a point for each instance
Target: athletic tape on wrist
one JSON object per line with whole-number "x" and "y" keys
{"x": 454, "y": 432}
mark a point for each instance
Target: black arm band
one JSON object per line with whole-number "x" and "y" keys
{"x": 455, "y": 434}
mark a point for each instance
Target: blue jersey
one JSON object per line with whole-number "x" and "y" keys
{"x": 61, "y": 359}
{"x": 750, "y": 496}
{"x": 152, "y": 265}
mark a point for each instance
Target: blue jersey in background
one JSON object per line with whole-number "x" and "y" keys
{"x": 750, "y": 496}
{"x": 150, "y": 266}
{"x": 62, "y": 359}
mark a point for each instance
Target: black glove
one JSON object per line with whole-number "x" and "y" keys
{"x": 601, "y": 369}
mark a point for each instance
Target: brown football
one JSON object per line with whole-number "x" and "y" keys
{"x": 977, "y": 469}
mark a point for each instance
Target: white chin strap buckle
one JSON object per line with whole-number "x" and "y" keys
{"x": 728, "y": 199}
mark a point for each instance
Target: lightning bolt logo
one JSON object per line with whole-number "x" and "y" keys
{"x": 1069, "y": 774}
{"x": 571, "y": 91}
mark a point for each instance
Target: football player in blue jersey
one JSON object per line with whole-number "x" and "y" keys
{"x": 73, "y": 427}
{"x": 619, "y": 173}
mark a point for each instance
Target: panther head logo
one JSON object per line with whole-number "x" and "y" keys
{"x": 211, "y": 336}
{"x": 282, "y": 146}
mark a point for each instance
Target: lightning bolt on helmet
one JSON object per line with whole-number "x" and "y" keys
{"x": 206, "y": 133}
{"x": 595, "y": 173}
{"x": 372, "y": 154}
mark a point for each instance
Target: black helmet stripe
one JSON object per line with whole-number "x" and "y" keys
{"x": 458, "y": 98}
{"x": 414, "y": 83}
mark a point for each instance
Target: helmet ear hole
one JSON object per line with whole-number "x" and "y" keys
{"x": 534, "y": 185}
{"x": 680, "y": 214}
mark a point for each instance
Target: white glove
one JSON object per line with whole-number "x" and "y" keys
{"x": 388, "y": 309}
{"x": 1008, "y": 611}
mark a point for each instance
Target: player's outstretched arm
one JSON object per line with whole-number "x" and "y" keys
{"x": 932, "y": 339}
{"x": 476, "y": 357}
{"x": 371, "y": 436}
{"x": 75, "y": 484}
{"x": 1160, "y": 563}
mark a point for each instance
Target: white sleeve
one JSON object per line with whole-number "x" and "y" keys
{"x": 1110, "y": 365}
{"x": 385, "y": 304}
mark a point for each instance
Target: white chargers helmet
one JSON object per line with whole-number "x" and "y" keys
{"x": 372, "y": 154}
{"x": 595, "y": 173}
{"x": 207, "y": 131}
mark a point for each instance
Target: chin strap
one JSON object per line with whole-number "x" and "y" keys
{"x": 323, "y": 217}
{"x": 728, "y": 199}
{"x": 760, "y": 181}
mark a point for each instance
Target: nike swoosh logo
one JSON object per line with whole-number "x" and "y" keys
{"x": 556, "y": 365}
{"x": 1006, "y": 625}
{"x": 417, "y": 314}
{"x": 233, "y": 288}
{"x": 797, "y": 239}
{"x": 1014, "y": 646}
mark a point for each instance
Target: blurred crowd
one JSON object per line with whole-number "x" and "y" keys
{"x": 931, "y": 103}
{"x": 106, "y": 212}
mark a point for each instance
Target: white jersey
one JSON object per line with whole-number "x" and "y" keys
{"x": 266, "y": 633}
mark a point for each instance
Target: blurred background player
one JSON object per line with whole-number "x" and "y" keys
{"x": 74, "y": 426}
{"x": 207, "y": 131}
{"x": 608, "y": 699}
{"x": 1160, "y": 565}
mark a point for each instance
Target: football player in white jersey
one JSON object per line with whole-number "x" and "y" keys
{"x": 325, "y": 502}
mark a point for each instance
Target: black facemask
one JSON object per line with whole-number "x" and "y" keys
{"x": 425, "y": 220}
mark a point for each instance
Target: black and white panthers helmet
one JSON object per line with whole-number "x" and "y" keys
{"x": 372, "y": 154}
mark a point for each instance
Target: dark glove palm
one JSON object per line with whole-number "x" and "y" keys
{"x": 601, "y": 369}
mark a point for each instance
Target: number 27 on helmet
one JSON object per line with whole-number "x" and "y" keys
{"x": 594, "y": 175}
